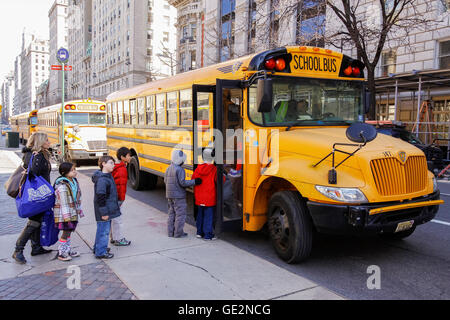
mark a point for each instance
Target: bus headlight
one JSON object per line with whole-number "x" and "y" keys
{"x": 343, "y": 194}
{"x": 435, "y": 185}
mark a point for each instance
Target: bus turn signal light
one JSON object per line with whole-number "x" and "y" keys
{"x": 270, "y": 64}
{"x": 280, "y": 64}
{"x": 103, "y": 108}
{"x": 356, "y": 72}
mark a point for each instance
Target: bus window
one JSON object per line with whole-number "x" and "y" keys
{"x": 186, "y": 107}
{"x": 33, "y": 120}
{"x": 160, "y": 109}
{"x": 97, "y": 118}
{"x": 141, "y": 111}
{"x": 133, "y": 112}
{"x": 120, "y": 111}
{"x": 172, "y": 109}
{"x": 114, "y": 112}
{"x": 85, "y": 118}
{"x": 151, "y": 110}
{"x": 126, "y": 112}
{"x": 109, "y": 113}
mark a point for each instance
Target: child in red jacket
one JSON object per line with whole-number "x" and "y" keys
{"x": 205, "y": 195}
{"x": 120, "y": 175}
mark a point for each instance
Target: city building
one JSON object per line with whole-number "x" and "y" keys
{"x": 58, "y": 39}
{"x": 80, "y": 49}
{"x": 17, "y": 100}
{"x": 190, "y": 33}
{"x": 7, "y": 97}
{"x": 133, "y": 42}
{"x": 34, "y": 70}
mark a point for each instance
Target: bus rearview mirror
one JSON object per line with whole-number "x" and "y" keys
{"x": 264, "y": 95}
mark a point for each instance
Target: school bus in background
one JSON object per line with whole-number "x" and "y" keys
{"x": 84, "y": 129}
{"x": 370, "y": 184}
{"x": 25, "y": 124}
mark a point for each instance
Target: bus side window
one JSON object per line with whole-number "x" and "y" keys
{"x": 141, "y": 111}
{"x": 160, "y": 109}
{"x": 114, "y": 112}
{"x": 133, "y": 112}
{"x": 120, "y": 111}
{"x": 172, "y": 119}
{"x": 151, "y": 110}
{"x": 126, "y": 112}
{"x": 109, "y": 114}
{"x": 186, "y": 107}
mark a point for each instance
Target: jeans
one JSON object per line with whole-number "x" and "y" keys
{"x": 101, "y": 237}
{"x": 205, "y": 222}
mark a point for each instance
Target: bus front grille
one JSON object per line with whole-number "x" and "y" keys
{"x": 394, "y": 178}
{"x": 97, "y": 145}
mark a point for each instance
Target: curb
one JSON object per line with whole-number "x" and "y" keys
{"x": 11, "y": 155}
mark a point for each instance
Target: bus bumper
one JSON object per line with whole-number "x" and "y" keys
{"x": 87, "y": 155}
{"x": 372, "y": 218}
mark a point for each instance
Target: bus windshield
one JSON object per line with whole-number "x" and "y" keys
{"x": 33, "y": 121}
{"x": 85, "y": 118}
{"x": 300, "y": 101}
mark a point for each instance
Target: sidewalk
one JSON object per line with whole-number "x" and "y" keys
{"x": 157, "y": 267}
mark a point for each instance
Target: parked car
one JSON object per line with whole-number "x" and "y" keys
{"x": 433, "y": 153}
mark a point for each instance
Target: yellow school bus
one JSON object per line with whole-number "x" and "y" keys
{"x": 84, "y": 129}
{"x": 288, "y": 133}
{"x": 24, "y": 123}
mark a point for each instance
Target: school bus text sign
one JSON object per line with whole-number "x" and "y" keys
{"x": 323, "y": 65}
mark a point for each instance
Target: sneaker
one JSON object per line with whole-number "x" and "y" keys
{"x": 184, "y": 235}
{"x": 199, "y": 236}
{"x": 107, "y": 250}
{"x": 18, "y": 256}
{"x": 64, "y": 257}
{"x": 74, "y": 254}
{"x": 212, "y": 239}
{"x": 122, "y": 243}
{"x": 105, "y": 256}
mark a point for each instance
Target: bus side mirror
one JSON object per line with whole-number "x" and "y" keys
{"x": 264, "y": 95}
{"x": 366, "y": 102}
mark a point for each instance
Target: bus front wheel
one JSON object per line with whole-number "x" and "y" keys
{"x": 290, "y": 226}
{"x": 135, "y": 176}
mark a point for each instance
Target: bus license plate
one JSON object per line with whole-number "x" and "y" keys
{"x": 402, "y": 226}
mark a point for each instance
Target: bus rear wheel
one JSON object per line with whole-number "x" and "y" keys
{"x": 290, "y": 226}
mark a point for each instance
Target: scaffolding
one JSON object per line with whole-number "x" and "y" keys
{"x": 421, "y": 90}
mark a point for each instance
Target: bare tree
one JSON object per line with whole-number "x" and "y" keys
{"x": 370, "y": 28}
{"x": 168, "y": 58}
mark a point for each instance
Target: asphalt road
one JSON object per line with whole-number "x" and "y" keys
{"x": 417, "y": 267}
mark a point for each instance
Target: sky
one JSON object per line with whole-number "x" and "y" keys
{"x": 15, "y": 15}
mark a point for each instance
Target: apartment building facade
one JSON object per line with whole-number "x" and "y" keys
{"x": 80, "y": 48}
{"x": 133, "y": 42}
{"x": 7, "y": 97}
{"x": 58, "y": 39}
{"x": 34, "y": 70}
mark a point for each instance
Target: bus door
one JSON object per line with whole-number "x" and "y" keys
{"x": 203, "y": 100}
{"x": 228, "y": 121}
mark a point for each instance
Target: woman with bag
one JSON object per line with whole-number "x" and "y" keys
{"x": 38, "y": 145}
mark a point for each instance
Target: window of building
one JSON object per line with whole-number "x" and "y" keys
{"x": 444, "y": 55}
{"x": 193, "y": 59}
{"x": 227, "y": 29}
{"x": 183, "y": 62}
{"x": 161, "y": 109}
{"x": 172, "y": 112}
{"x": 151, "y": 110}
{"x": 186, "y": 107}
{"x": 311, "y": 23}
{"x": 149, "y": 34}
{"x": 388, "y": 61}
{"x": 165, "y": 36}
{"x": 167, "y": 20}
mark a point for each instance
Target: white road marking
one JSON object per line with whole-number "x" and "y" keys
{"x": 441, "y": 222}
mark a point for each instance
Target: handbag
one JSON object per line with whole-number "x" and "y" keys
{"x": 49, "y": 232}
{"x": 15, "y": 181}
{"x": 35, "y": 196}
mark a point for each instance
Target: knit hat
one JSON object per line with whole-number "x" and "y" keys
{"x": 178, "y": 157}
{"x": 208, "y": 155}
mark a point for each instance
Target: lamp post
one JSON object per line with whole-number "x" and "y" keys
{"x": 62, "y": 56}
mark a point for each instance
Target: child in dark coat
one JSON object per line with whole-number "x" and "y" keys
{"x": 106, "y": 205}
